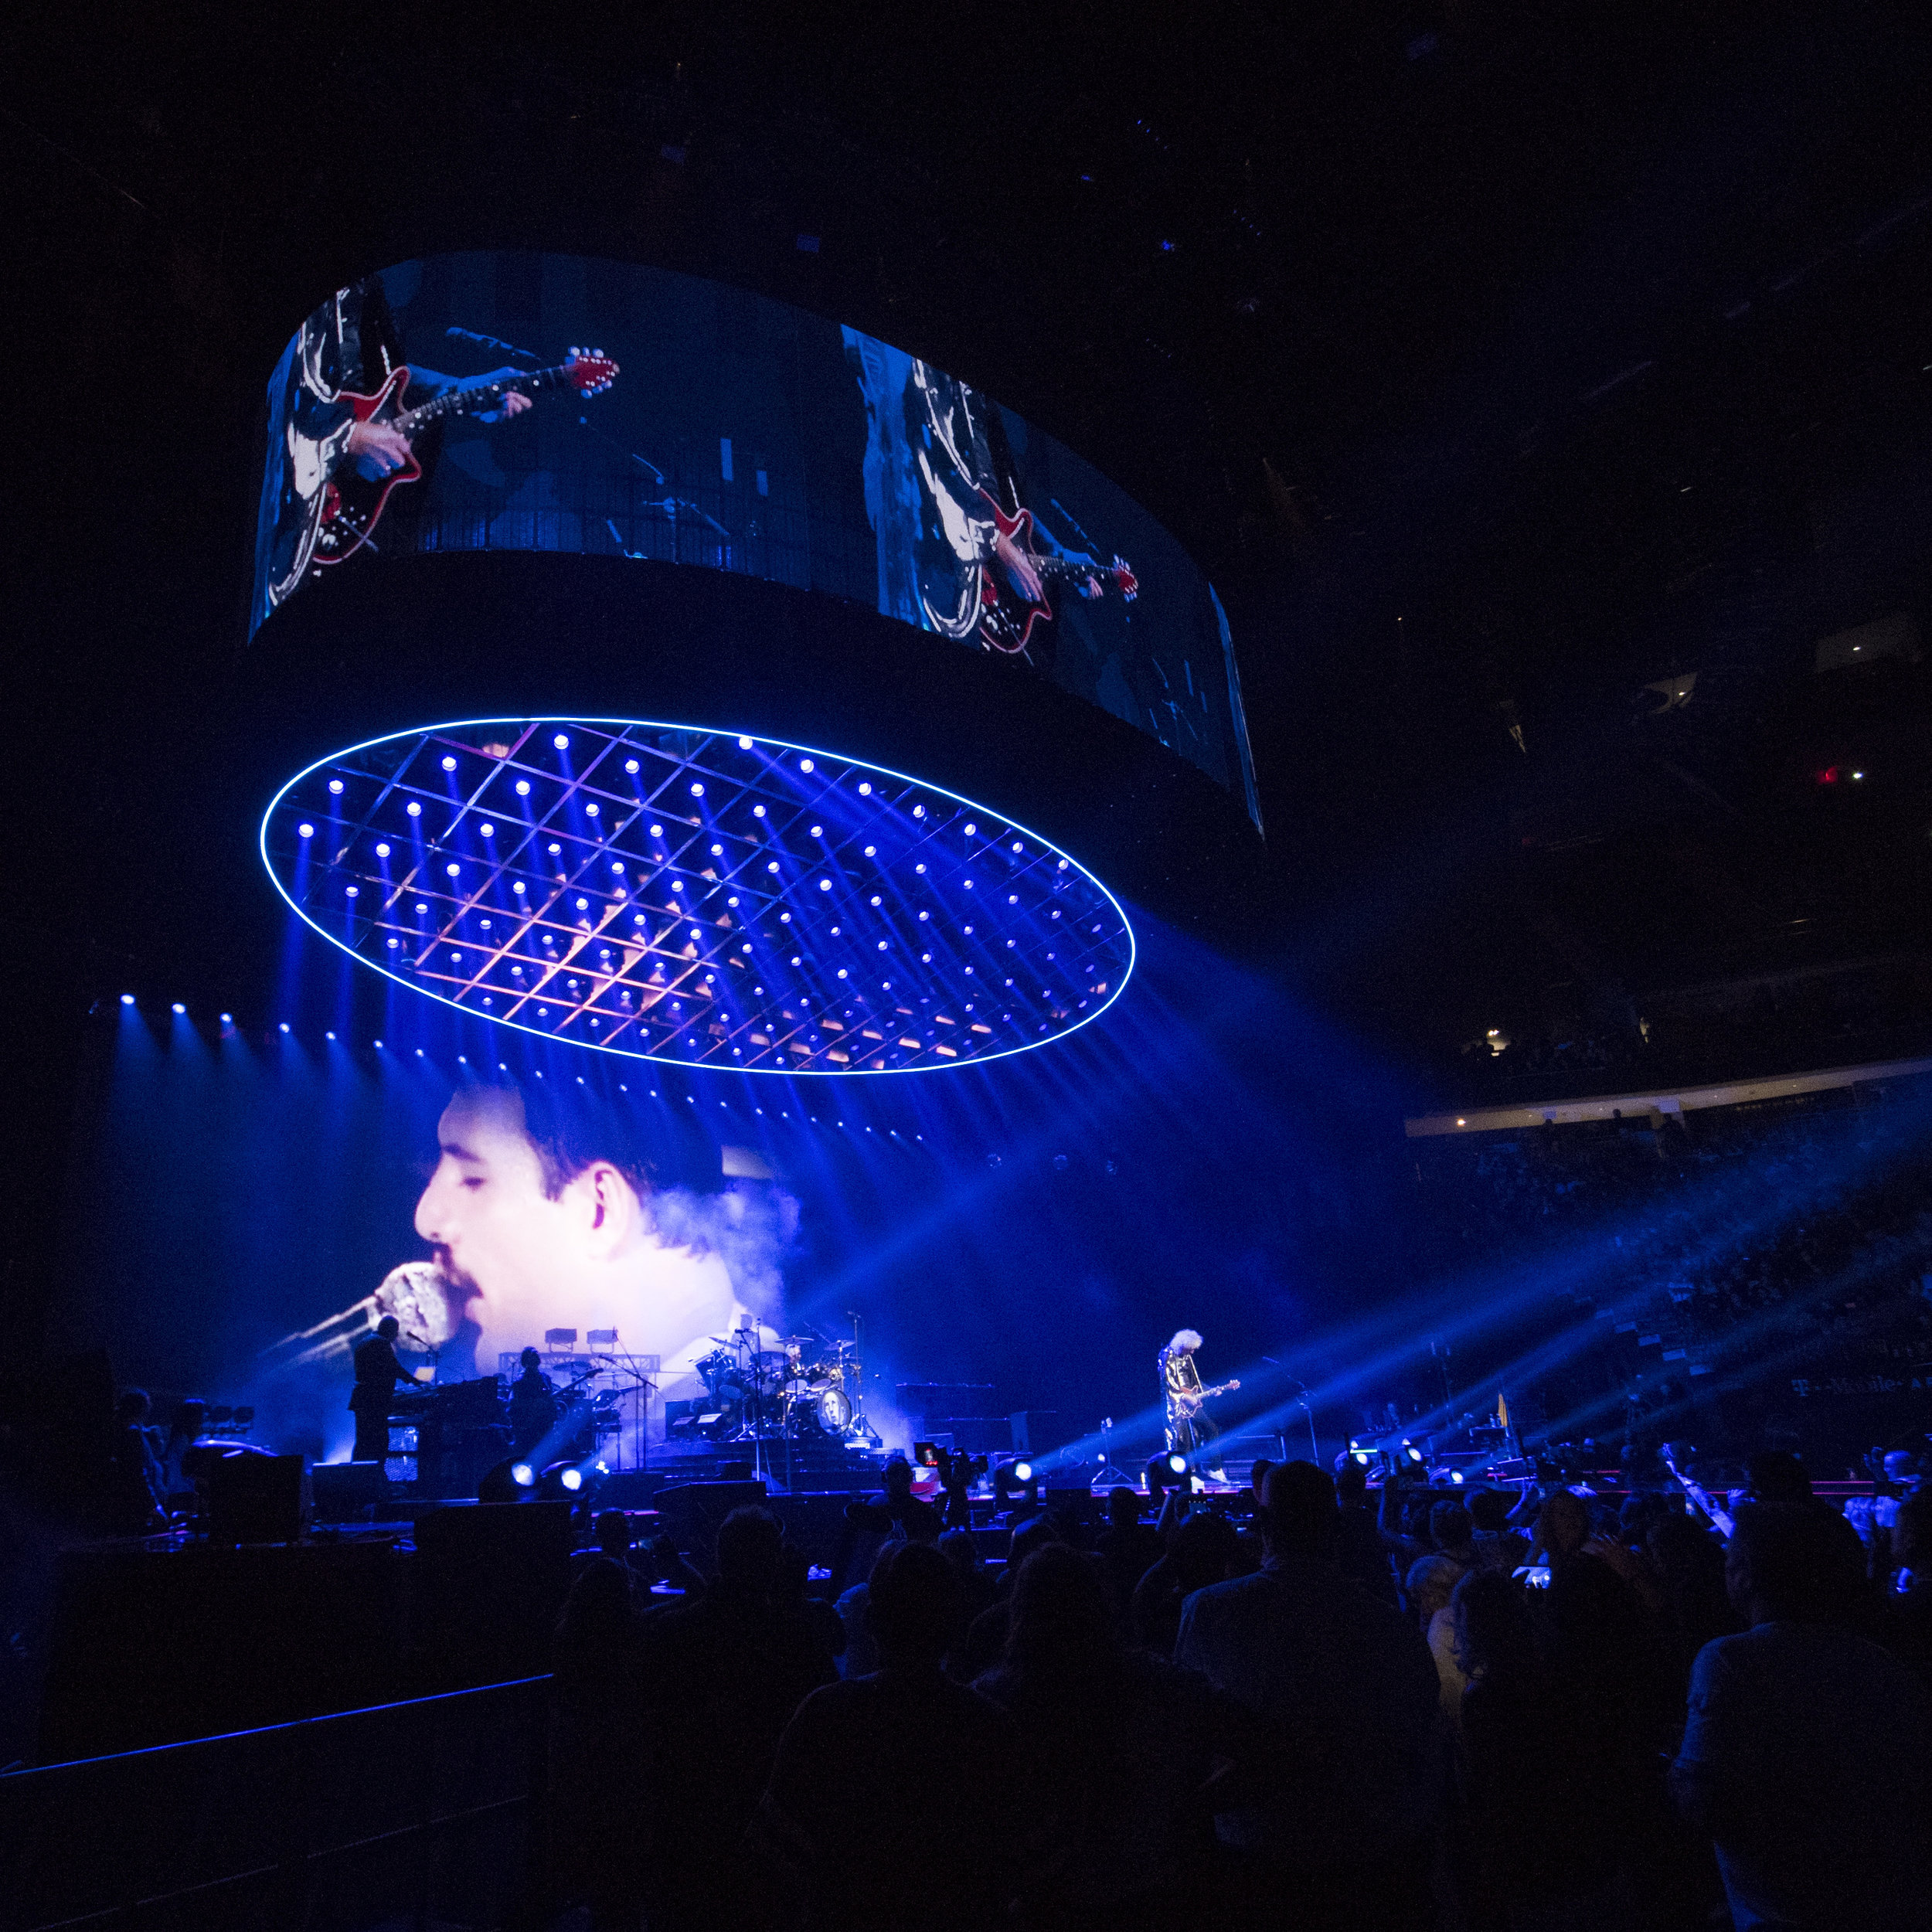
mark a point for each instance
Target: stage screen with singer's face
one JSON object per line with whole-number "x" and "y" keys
{"x": 266, "y": 1206}
{"x": 525, "y": 402}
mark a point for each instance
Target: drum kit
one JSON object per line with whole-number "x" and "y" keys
{"x": 587, "y": 1415}
{"x": 807, "y": 1387}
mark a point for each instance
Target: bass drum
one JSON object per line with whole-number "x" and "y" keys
{"x": 835, "y": 1411}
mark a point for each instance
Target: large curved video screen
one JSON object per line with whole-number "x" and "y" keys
{"x": 528, "y": 402}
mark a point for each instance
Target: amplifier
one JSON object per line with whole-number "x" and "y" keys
{"x": 1033, "y": 1429}
{"x": 468, "y": 1405}
{"x": 255, "y": 1499}
{"x": 977, "y": 1435}
{"x": 348, "y": 1491}
{"x": 693, "y": 1511}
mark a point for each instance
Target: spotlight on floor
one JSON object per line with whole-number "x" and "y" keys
{"x": 507, "y": 1481}
{"x": 1165, "y": 1469}
{"x": 560, "y": 1482}
{"x": 1016, "y": 1478}
{"x": 571, "y": 1482}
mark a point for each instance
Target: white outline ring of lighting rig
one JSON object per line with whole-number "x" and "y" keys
{"x": 709, "y": 899}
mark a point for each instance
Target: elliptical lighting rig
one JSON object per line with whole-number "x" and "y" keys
{"x": 711, "y": 899}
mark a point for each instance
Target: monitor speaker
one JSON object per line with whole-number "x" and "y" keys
{"x": 1076, "y": 1504}
{"x": 693, "y": 1511}
{"x": 254, "y": 1498}
{"x": 493, "y": 1576}
{"x": 348, "y": 1491}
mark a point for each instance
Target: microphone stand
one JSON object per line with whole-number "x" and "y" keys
{"x": 1303, "y": 1403}
{"x": 1106, "y": 1473}
{"x": 489, "y": 341}
{"x": 673, "y": 508}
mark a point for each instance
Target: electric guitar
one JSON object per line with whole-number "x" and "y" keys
{"x": 1007, "y": 614}
{"x": 1190, "y": 1402}
{"x": 353, "y": 505}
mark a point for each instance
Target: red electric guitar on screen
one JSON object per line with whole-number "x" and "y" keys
{"x": 1008, "y": 611}
{"x": 353, "y": 505}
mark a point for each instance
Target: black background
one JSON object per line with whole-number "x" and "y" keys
{"x": 1496, "y": 361}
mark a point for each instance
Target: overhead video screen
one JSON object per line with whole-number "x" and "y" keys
{"x": 526, "y": 402}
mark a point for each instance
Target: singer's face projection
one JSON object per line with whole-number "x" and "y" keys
{"x": 526, "y": 1259}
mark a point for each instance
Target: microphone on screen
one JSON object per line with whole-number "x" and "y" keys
{"x": 488, "y": 341}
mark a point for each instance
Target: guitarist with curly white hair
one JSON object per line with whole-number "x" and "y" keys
{"x": 1189, "y": 1426}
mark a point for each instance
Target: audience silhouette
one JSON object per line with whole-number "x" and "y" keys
{"x": 1121, "y": 1737}
{"x": 901, "y": 1800}
{"x": 1347, "y": 1689}
{"x": 720, "y": 1678}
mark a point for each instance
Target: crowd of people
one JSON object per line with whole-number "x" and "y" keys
{"x": 1758, "y": 1269}
{"x": 1872, "y": 1010}
{"x": 1489, "y": 1711}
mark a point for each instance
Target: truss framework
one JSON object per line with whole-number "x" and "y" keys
{"x": 695, "y": 896}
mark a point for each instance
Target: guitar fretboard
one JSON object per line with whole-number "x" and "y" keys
{"x": 462, "y": 402}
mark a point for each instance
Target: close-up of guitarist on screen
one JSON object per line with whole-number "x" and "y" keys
{"x": 353, "y": 415}
{"x": 989, "y": 566}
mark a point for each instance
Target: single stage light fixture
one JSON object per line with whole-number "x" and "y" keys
{"x": 507, "y": 1481}
{"x": 571, "y": 1482}
{"x": 1164, "y": 1470}
{"x": 559, "y": 1483}
{"x": 1016, "y": 1478}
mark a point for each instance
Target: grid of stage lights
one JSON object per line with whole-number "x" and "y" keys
{"x": 687, "y": 896}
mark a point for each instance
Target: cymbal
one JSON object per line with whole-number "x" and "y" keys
{"x": 799, "y": 1338}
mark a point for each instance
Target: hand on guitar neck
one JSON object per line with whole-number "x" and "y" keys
{"x": 380, "y": 448}
{"x": 1013, "y": 597}
{"x": 386, "y": 449}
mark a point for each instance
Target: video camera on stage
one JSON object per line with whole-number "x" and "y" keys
{"x": 958, "y": 1471}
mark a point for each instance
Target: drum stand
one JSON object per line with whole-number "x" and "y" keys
{"x": 747, "y": 1342}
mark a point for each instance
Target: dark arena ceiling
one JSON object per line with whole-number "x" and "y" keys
{"x": 1545, "y": 388}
